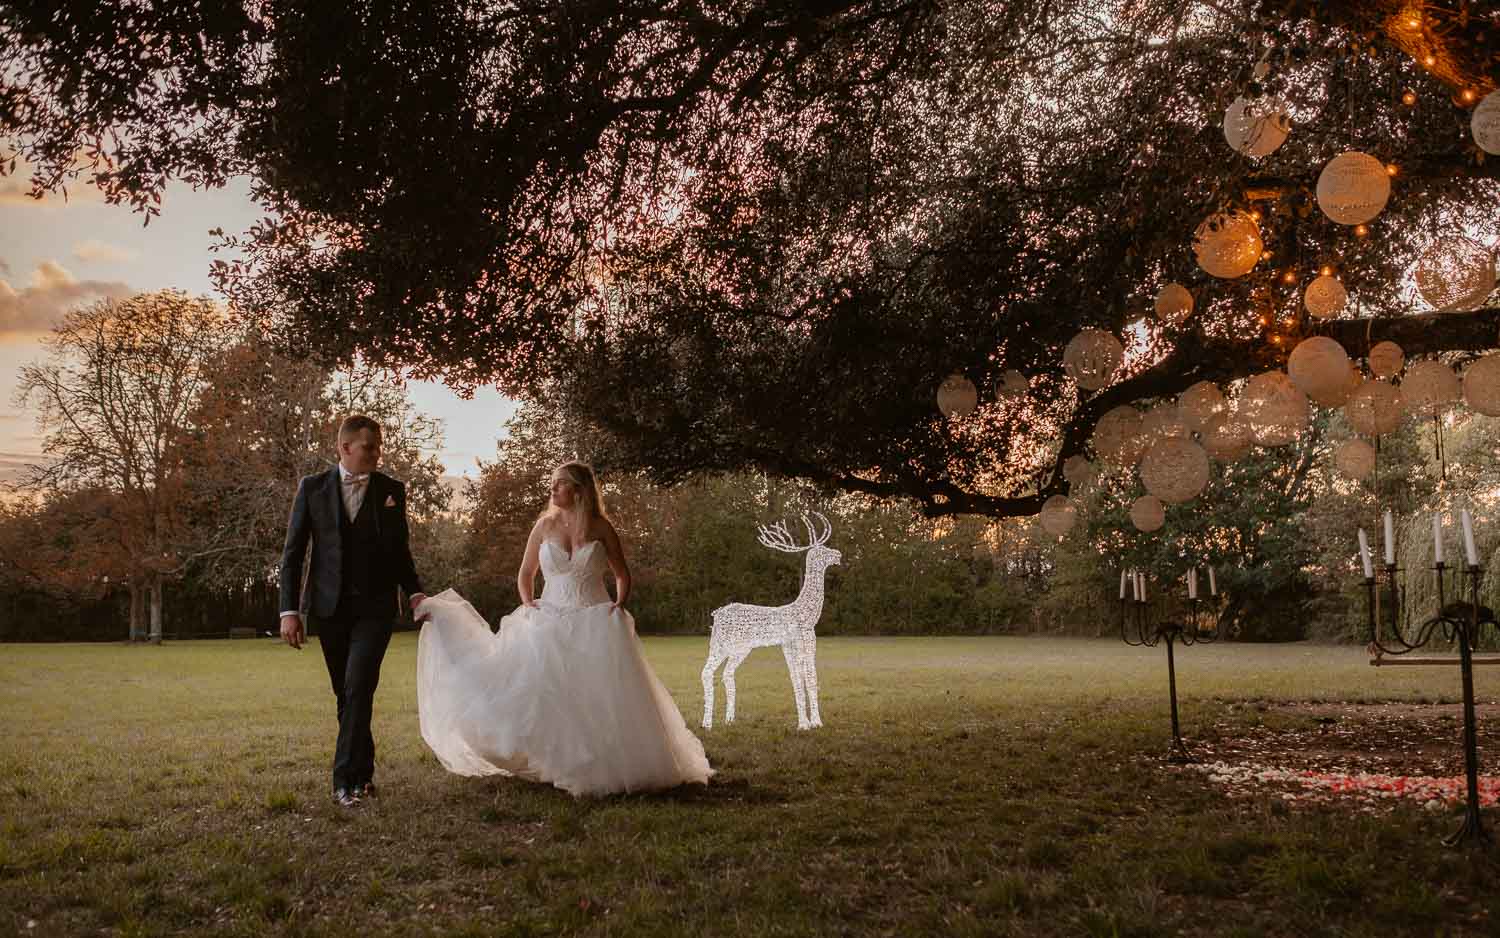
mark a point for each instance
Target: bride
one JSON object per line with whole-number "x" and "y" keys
{"x": 562, "y": 693}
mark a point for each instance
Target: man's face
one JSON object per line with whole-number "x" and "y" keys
{"x": 362, "y": 453}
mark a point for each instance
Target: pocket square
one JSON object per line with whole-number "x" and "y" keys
{"x": 390, "y": 501}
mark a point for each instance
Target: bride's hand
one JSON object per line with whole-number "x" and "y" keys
{"x": 616, "y": 607}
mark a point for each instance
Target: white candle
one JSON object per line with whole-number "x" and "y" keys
{"x": 1364, "y": 555}
{"x": 1213, "y": 586}
{"x": 1193, "y": 583}
{"x": 1143, "y": 586}
{"x": 1469, "y": 549}
{"x": 1390, "y": 540}
{"x": 1135, "y": 589}
{"x": 1122, "y": 583}
{"x": 1437, "y": 537}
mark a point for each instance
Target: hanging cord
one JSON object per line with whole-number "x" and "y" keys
{"x": 1437, "y": 440}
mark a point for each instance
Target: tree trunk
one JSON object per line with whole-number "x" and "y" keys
{"x": 137, "y": 632}
{"x": 156, "y": 609}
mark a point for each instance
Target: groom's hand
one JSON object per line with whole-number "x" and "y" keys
{"x": 416, "y": 600}
{"x": 291, "y": 631}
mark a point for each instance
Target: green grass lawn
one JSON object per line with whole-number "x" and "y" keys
{"x": 962, "y": 786}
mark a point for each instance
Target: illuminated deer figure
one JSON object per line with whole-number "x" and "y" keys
{"x": 739, "y": 628}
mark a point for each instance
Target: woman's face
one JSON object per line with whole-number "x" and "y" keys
{"x": 563, "y": 491}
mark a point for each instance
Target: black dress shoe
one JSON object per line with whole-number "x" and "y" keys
{"x": 367, "y": 790}
{"x": 346, "y": 797}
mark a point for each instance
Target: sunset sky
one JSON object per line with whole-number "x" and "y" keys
{"x": 57, "y": 254}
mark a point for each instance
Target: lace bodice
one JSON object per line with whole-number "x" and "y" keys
{"x": 572, "y": 582}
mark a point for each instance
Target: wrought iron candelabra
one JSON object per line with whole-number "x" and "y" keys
{"x": 1458, "y": 621}
{"x": 1147, "y": 623}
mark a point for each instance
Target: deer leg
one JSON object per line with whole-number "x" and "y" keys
{"x": 810, "y": 676}
{"x": 715, "y": 658}
{"x": 734, "y": 662}
{"x": 790, "y": 648}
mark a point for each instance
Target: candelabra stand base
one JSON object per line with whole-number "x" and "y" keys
{"x": 1471, "y": 833}
{"x": 1179, "y": 754}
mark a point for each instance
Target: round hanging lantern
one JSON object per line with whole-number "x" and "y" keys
{"x": 1147, "y": 513}
{"x": 1226, "y": 435}
{"x": 1199, "y": 403}
{"x": 1079, "y": 472}
{"x": 1058, "y": 515}
{"x": 1325, "y": 297}
{"x": 1355, "y": 458}
{"x": 1117, "y": 436}
{"x": 1429, "y": 388}
{"x": 1275, "y": 410}
{"x": 1174, "y": 470}
{"x": 1092, "y": 357}
{"x": 1482, "y": 385}
{"x": 1174, "y": 304}
{"x": 1353, "y": 188}
{"x": 1228, "y": 245}
{"x": 1163, "y": 422}
{"x": 1485, "y": 123}
{"x": 1386, "y": 359}
{"x": 957, "y": 396}
{"x": 1319, "y": 367}
{"x": 1375, "y": 407}
{"x": 1456, "y": 275}
{"x": 1255, "y": 128}
{"x": 1012, "y": 386}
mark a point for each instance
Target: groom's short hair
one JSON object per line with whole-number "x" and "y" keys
{"x": 355, "y": 425}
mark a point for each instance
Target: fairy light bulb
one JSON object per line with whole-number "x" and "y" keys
{"x": 1409, "y": 98}
{"x": 1325, "y": 271}
{"x": 1289, "y": 277}
{"x": 1468, "y": 95}
{"x": 1391, "y": 169}
{"x": 1429, "y": 60}
{"x": 1361, "y": 230}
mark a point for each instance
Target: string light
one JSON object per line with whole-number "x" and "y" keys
{"x": 1429, "y": 60}
{"x": 1326, "y": 271}
{"x": 1409, "y": 98}
{"x": 1290, "y": 276}
{"x": 1361, "y": 230}
{"x": 1391, "y": 169}
{"x": 1468, "y": 95}
{"x": 1255, "y": 214}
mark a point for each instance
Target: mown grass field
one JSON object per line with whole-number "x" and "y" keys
{"x": 962, "y": 786}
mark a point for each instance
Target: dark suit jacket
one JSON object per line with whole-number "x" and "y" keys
{"x": 315, "y": 518}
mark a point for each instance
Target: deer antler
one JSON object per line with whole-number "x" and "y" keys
{"x": 777, "y": 537}
{"x": 813, "y": 538}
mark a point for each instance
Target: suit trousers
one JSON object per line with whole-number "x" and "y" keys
{"x": 353, "y": 649}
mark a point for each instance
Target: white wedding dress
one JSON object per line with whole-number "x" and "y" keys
{"x": 561, "y": 694}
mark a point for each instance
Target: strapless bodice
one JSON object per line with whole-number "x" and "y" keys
{"x": 573, "y": 581}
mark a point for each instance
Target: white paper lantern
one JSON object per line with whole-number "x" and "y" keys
{"x": 1012, "y": 386}
{"x": 1079, "y": 472}
{"x": 1325, "y": 297}
{"x": 1199, "y": 403}
{"x": 1429, "y": 388}
{"x": 1147, "y": 513}
{"x": 957, "y": 396}
{"x": 1273, "y": 407}
{"x": 1174, "y": 470}
{"x": 1485, "y": 123}
{"x": 1092, "y": 357}
{"x": 1226, "y": 435}
{"x": 1058, "y": 516}
{"x": 1163, "y": 422}
{"x": 1255, "y": 127}
{"x": 1353, "y": 188}
{"x": 1174, "y": 304}
{"x": 1319, "y": 367}
{"x": 1375, "y": 407}
{"x": 1456, "y": 275}
{"x": 1355, "y": 458}
{"x": 1482, "y": 385}
{"x": 1386, "y": 359}
{"x": 1228, "y": 245}
{"x": 1117, "y": 436}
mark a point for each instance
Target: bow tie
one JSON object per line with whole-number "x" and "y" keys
{"x": 357, "y": 480}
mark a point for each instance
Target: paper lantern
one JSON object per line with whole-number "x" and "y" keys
{"x": 1482, "y": 385}
{"x": 1386, "y": 359}
{"x": 1456, "y": 275}
{"x": 1273, "y": 407}
{"x": 1353, "y": 188}
{"x": 1092, "y": 357}
{"x": 1228, "y": 245}
{"x": 957, "y": 396}
{"x": 1429, "y": 388}
{"x": 1325, "y": 297}
{"x": 1355, "y": 458}
{"x": 1147, "y": 513}
{"x": 1226, "y": 435}
{"x": 1117, "y": 436}
{"x": 1485, "y": 123}
{"x": 1319, "y": 367}
{"x": 1079, "y": 472}
{"x": 1058, "y": 515}
{"x": 1163, "y": 422}
{"x": 1255, "y": 128}
{"x": 1375, "y": 407}
{"x": 1174, "y": 470}
{"x": 1012, "y": 386}
{"x": 1199, "y": 403}
{"x": 1174, "y": 304}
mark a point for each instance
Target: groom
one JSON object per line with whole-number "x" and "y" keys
{"x": 356, "y": 519}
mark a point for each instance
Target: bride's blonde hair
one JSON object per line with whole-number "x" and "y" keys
{"x": 588, "y": 504}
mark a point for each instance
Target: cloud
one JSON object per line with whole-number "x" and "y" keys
{"x": 53, "y": 291}
{"x": 15, "y": 467}
{"x": 15, "y": 188}
{"x": 93, "y": 250}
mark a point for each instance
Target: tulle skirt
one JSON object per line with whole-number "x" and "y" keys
{"x": 559, "y": 695}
